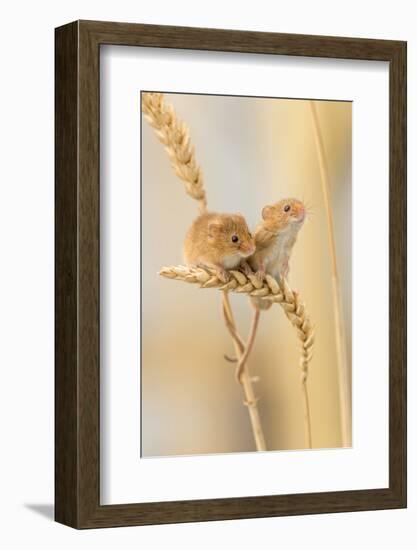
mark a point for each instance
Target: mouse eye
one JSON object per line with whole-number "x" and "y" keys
{"x": 235, "y": 238}
{"x": 287, "y": 208}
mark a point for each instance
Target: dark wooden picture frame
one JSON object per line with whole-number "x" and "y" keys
{"x": 77, "y": 359}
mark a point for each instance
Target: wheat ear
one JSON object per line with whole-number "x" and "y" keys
{"x": 270, "y": 290}
{"x": 174, "y": 134}
{"x": 342, "y": 370}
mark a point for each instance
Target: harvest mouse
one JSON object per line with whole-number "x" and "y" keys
{"x": 274, "y": 238}
{"x": 219, "y": 241}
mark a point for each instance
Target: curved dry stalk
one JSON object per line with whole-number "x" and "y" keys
{"x": 251, "y": 400}
{"x": 242, "y": 351}
{"x": 174, "y": 134}
{"x": 342, "y": 369}
{"x": 307, "y": 417}
{"x": 249, "y": 345}
{"x": 270, "y": 290}
{"x": 230, "y": 325}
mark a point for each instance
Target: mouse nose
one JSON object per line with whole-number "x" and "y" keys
{"x": 248, "y": 248}
{"x": 301, "y": 213}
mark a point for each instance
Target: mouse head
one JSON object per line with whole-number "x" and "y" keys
{"x": 229, "y": 233}
{"x": 287, "y": 213}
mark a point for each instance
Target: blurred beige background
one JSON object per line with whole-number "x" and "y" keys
{"x": 253, "y": 152}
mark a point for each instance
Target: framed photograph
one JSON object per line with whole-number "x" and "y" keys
{"x": 268, "y": 172}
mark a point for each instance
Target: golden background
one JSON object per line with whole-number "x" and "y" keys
{"x": 253, "y": 151}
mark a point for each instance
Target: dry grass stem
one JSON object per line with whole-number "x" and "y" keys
{"x": 249, "y": 345}
{"x": 342, "y": 367}
{"x": 174, "y": 134}
{"x": 270, "y": 290}
{"x": 231, "y": 326}
{"x": 251, "y": 400}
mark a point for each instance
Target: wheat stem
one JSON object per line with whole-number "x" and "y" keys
{"x": 245, "y": 379}
{"x": 307, "y": 416}
{"x": 342, "y": 369}
{"x": 249, "y": 345}
{"x": 230, "y": 325}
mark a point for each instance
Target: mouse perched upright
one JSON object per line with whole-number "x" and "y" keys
{"x": 275, "y": 237}
{"x": 219, "y": 241}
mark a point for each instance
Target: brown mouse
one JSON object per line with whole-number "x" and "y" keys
{"x": 219, "y": 241}
{"x": 274, "y": 238}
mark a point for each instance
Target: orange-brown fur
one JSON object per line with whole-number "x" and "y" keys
{"x": 275, "y": 237}
{"x": 209, "y": 242}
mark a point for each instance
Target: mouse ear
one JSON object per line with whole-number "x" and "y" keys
{"x": 214, "y": 228}
{"x": 240, "y": 218}
{"x": 267, "y": 212}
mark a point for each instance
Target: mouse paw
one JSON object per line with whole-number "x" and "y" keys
{"x": 285, "y": 270}
{"x": 260, "y": 275}
{"x": 246, "y": 268}
{"x": 223, "y": 275}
